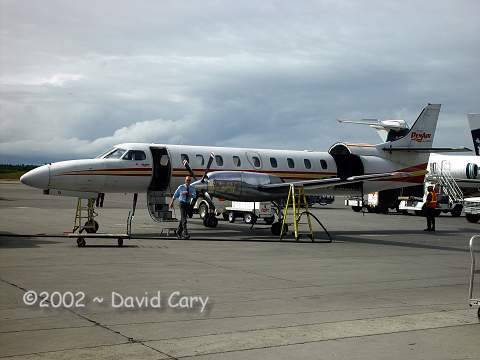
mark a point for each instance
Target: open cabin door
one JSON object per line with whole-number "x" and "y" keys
{"x": 159, "y": 189}
{"x": 162, "y": 169}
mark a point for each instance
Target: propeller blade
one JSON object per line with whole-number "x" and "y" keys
{"x": 207, "y": 169}
{"x": 189, "y": 169}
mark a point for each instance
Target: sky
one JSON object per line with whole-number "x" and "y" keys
{"x": 77, "y": 77}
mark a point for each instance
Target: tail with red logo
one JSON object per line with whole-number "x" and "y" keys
{"x": 421, "y": 134}
{"x": 420, "y": 137}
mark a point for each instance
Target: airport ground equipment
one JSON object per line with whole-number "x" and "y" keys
{"x": 473, "y": 302}
{"x": 297, "y": 200}
{"x": 85, "y": 212}
{"x": 472, "y": 209}
{"x": 78, "y": 230}
{"x": 250, "y": 212}
{"x": 376, "y": 202}
{"x": 449, "y": 195}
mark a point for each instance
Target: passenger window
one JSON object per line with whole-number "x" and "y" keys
{"x": 200, "y": 159}
{"x": 291, "y": 163}
{"x": 218, "y": 160}
{"x": 185, "y": 157}
{"x": 273, "y": 162}
{"x": 323, "y": 163}
{"x": 256, "y": 161}
{"x": 308, "y": 164}
{"x": 236, "y": 161}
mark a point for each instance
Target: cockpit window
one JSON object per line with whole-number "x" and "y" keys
{"x": 117, "y": 154}
{"x": 104, "y": 153}
{"x": 135, "y": 155}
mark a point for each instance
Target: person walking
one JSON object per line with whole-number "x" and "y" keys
{"x": 184, "y": 194}
{"x": 430, "y": 206}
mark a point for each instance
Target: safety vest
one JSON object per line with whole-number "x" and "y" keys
{"x": 432, "y": 203}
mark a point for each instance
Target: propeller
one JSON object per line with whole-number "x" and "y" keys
{"x": 204, "y": 193}
{"x": 189, "y": 169}
{"x": 207, "y": 169}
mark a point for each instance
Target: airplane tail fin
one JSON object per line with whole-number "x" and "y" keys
{"x": 474, "y": 122}
{"x": 421, "y": 134}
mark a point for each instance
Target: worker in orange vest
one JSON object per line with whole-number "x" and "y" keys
{"x": 430, "y": 206}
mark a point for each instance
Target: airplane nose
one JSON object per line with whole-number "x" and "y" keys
{"x": 38, "y": 177}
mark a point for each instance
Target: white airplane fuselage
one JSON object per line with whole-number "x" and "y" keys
{"x": 160, "y": 167}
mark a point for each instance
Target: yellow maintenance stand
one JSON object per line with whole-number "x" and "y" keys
{"x": 85, "y": 212}
{"x": 296, "y": 200}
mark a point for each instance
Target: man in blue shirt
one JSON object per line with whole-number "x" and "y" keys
{"x": 184, "y": 194}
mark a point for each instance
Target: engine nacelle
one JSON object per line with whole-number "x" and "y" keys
{"x": 464, "y": 170}
{"x": 471, "y": 171}
{"x": 239, "y": 185}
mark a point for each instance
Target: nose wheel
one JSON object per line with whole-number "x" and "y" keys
{"x": 81, "y": 242}
{"x": 210, "y": 221}
{"x": 91, "y": 226}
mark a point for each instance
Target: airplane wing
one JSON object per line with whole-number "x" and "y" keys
{"x": 428, "y": 149}
{"x": 467, "y": 181}
{"x": 331, "y": 182}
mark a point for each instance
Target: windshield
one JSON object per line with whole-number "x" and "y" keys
{"x": 117, "y": 154}
{"x": 104, "y": 153}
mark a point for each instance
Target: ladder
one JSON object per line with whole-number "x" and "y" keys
{"x": 296, "y": 198}
{"x": 85, "y": 212}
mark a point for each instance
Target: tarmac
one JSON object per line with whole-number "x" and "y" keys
{"x": 383, "y": 289}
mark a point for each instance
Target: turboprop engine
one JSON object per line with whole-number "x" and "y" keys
{"x": 239, "y": 185}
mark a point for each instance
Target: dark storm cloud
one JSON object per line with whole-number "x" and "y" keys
{"x": 77, "y": 77}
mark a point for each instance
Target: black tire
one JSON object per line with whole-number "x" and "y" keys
{"x": 437, "y": 213}
{"x": 457, "y": 211}
{"x": 473, "y": 218}
{"x": 356, "y": 208}
{"x": 202, "y": 210}
{"x": 212, "y": 221}
{"x": 225, "y": 215}
{"x": 269, "y": 220}
{"x": 231, "y": 217}
{"x": 419, "y": 213}
{"x": 249, "y": 218}
{"x": 478, "y": 312}
{"x": 91, "y": 226}
{"x": 81, "y": 242}
{"x": 277, "y": 227}
{"x": 120, "y": 242}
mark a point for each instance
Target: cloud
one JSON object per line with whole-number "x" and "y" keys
{"x": 273, "y": 74}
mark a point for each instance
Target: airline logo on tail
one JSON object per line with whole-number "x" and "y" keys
{"x": 421, "y": 136}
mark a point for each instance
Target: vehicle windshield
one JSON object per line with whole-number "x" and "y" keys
{"x": 117, "y": 154}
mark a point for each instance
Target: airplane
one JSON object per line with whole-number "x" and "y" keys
{"x": 463, "y": 168}
{"x": 244, "y": 174}
{"x": 474, "y": 122}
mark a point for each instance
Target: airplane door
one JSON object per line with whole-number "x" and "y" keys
{"x": 445, "y": 167}
{"x": 162, "y": 169}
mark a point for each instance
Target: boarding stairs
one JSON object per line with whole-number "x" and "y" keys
{"x": 449, "y": 186}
